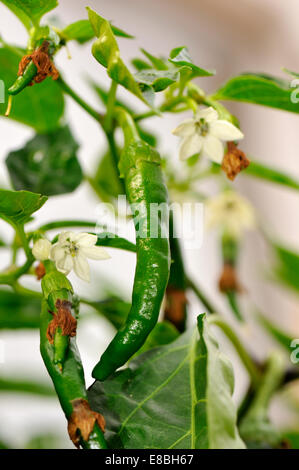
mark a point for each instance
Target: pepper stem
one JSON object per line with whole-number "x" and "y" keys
{"x": 9, "y": 103}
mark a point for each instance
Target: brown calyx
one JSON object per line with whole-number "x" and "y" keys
{"x": 63, "y": 319}
{"x": 41, "y": 59}
{"x": 234, "y": 161}
{"x": 228, "y": 280}
{"x": 175, "y": 310}
{"x": 82, "y": 421}
{"x": 40, "y": 271}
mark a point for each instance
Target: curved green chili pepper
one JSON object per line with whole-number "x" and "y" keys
{"x": 23, "y": 80}
{"x": 139, "y": 165}
{"x": 69, "y": 383}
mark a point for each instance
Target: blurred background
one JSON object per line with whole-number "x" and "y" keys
{"x": 231, "y": 37}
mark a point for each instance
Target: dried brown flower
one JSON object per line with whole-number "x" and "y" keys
{"x": 62, "y": 319}
{"x": 40, "y": 58}
{"x": 228, "y": 280}
{"x": 234, "y": 161}
{"x": 40, "y": 271}
{"x": 82, "y": 421}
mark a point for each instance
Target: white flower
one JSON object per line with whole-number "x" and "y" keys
{"x": 230, "y": 212}
{"x": 41, "y": 249}
{"x": 204, "y": 134}
{"x": 72, "y": 250}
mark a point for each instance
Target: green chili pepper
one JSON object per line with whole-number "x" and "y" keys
{"x": 140, "y": 167}
{"x": 23, "y": 80}
{"x": 69, "y": 383}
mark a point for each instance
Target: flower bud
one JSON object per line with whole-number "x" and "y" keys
{"x": 41, "y": 249}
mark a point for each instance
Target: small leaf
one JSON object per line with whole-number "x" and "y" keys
{"x": 48, "y": 163}
{"x": 114, "y": 241}
{"x": 16, "y": 207}
{"x": 280, "y": 336}
{"x": 106, "y": 181}
{"x": 158, "y": 63}
{"x": 140, "y": 64}
{"x": 158, "y": 79}
{"x": 266, "y": 173}
{"x": 18, "y": 311}
{"x": 259, "y": 89}
{"x": 82, "y": 32}
{"x": 106, "y": 52}
{"x": 176, "y": 396}
{"x": 180, "y": 58}
{"x": 287, "y": 266}
{"x": 30, "y": 11}
{"x": 40, "y": 106}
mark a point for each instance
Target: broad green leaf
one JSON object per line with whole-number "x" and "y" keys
{"x": 48, "y": 163}
{"x": 82, "y": 32}
{"x": 264, "y": 172}
{"x": 259, "y": 89}
{"x": 114, "y": 241}
{"x": 22, "y": 386}
{"x": 113, "y": 309}
{"x": 18, "y": 311}
{"x": 180, "y": 58}
{"x": 174, "y": 396}
{"x": 16, "y": 207}
{"x": 40, "y": 106}
{"x": 286, "y": 269}
{"x": 30, "y": 11}
{"x": 106, "y": 52}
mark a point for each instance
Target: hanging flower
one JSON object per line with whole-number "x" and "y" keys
{"x": 72, "y": 250}
{"x": 204, "y": 134}
{"x": 41, "y": 249}
{"x": 230, "y": 212}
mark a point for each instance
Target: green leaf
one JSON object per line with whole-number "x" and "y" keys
{"x": 16, "y": 207}
{"x": 40, "y": 106}
{"x": 266, "y": 173}
{"x": 82, "y": 32}
{"x": 18, "y": 311}
{"x": 180, "y": 58}
{"x": 140, "y": 64}
{"x": 158, "y": 79}
{"x": 259, "y": 89}
{"x": 106, "y": 52}
{"x": 114, "y": 241}
{"x": 292, "y": 438}
{"x": 106, "y": 181}
{"x": 48, "y": 163}
{"x": 174, "y": 396}
{"x": 280, "y": 336}
{"x": 287, "y": 266}
{"x": 30, "y": 11}
{"x": 159, "y": 64}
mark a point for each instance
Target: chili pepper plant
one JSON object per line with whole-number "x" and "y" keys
{"x": 163, "y": 381}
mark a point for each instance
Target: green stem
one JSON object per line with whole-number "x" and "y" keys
{"x": 250, "y": 366}
{"x": 69, "y": 91}
{"x": 201, "y": 296}
{"x": 66, "y": 223}
{"x": 108, "y": 120}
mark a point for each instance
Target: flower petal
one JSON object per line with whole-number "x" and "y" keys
{"x": 213, "y": 148}
{"x": 65, "y": 264}
{"x": 94, "y": 252}
{"x": 81, "y": 267}
{"x": 208, "y": 114}
{"x": 57, "y": 252}
{"x": 190, "y": 146}
{"x": 186, "y": 128}
{"x": 85, "y": 239}
{"x": 225, "y": 130}
{"x": 64, "y": 236}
